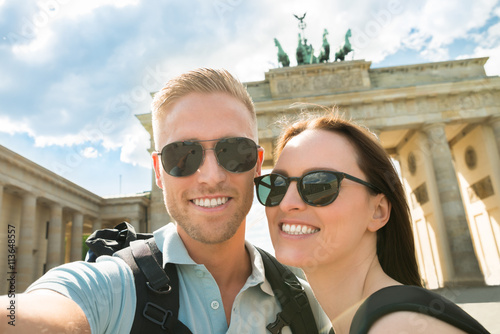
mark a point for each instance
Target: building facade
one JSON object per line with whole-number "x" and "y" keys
{"x": 47, "y": 217}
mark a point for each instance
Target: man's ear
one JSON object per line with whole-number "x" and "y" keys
{"x": 157, "y": 165}
{"x": 260, "y": 161}
{"x": 381, "y": 213}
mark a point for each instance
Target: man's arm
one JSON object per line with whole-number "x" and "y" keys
{"x": 42, "y": 311}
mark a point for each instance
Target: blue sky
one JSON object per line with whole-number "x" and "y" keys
{"x": 74, "y": 73}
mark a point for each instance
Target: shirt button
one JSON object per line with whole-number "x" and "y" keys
{"x": 214, "y": 305}
{"x": 199, "y": 273}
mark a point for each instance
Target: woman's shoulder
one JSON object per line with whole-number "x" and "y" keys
{"x": 411, "y": 323}
{"x": 408, "y": 307}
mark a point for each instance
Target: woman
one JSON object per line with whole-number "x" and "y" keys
{"x": 336, "y": 208}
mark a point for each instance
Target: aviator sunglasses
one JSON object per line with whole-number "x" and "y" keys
{"x": 316, "y": 188}
{"x": 183, "y": 158}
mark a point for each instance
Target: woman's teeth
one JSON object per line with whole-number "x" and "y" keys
{"x": 298, "y": 229}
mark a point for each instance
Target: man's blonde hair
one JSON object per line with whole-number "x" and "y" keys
{"x": 202, "y": 80}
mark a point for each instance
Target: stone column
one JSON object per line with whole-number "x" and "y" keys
{"x": 76, "y": 237}
{"x": 64, "y": 241}
{"x": 1, "y": 197}
{"x": 25, "y": 242}
{"x": 135, "y": 222}
{"x": 55, "y": 242}
{"x": 495, "y": 125}
{"x": 464, "y": 262}
{"x": 97, "y": 225}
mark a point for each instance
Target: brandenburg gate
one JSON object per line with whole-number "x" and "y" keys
{"x": 439, "y": 121}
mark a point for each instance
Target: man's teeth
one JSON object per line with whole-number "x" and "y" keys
{"x": 298, "y": 229}
{"x": 210, "y": 202}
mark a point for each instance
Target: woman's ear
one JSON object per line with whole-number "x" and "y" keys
{"x": 381, "y": 213}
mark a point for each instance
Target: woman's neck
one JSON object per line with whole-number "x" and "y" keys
{"x": 341, "y": 288}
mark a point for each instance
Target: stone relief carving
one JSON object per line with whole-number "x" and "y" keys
{"x": 330, "y": 82}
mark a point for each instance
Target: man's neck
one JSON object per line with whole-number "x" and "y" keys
{"x": 228, "y": 262}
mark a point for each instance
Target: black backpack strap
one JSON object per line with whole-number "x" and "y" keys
{"x": 413, "y": 299}
{"x": 157, "y": 290}
{"x": 295, "y": 308}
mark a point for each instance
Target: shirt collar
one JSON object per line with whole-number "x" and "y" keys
{"x": 171, "y": 245}
{"x": 258, "y": 273}
{"x": 174, "y": 251}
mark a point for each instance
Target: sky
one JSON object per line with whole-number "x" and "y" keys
{"x": 74, "y": 73}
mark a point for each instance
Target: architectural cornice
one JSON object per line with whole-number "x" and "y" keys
{"x": 84, "y": 199}
{"x": 46, "y": 175}
{"x": 375, "y": 95}
{"x": 433, "y": 66}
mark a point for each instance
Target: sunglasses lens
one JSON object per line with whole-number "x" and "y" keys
{"x": 271, "y": 189}
{"x": 236, "y": 155}
{"x": 319, "y": 188}
{"x": 181, "y": 158}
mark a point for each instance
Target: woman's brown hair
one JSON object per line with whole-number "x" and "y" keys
{"x": 395, "y": 244}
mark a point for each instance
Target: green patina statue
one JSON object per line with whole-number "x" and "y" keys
{"x": 282, "y": 56}
{"x": 324, "y": 54}
{"x": 345, "y": 49}
{"x": 305, "y": 52}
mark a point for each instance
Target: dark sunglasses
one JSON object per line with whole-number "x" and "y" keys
{"x": 316, "y": 188}
{"x": 183, "y": 158}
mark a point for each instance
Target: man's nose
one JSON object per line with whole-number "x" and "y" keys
{"x": 210, "y": 171}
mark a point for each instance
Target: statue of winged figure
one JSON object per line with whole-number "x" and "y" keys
{"x": 301, "y": 19}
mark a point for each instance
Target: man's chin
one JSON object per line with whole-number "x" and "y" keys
{"x": 217, "y": 235}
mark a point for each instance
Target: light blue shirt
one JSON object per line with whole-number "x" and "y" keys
{"x": 105, "y": 291}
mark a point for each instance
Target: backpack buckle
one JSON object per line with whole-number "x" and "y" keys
{"x": 278, "y": 324}
{"x": 156, "y": 314}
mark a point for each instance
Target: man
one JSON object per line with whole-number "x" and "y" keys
{"x": 206, "y": 158}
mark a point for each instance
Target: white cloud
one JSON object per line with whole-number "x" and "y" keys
{"x": 37, "y": 50}
{"x": 427, "y": 27}
{"x": 90, "y": 152}
{"x": 73, "y": 9}
{"x": 61, "y": 140}
{"x": 489, "y": 46}
{"x": 436, "y": 54}
{"x": 12, "y": 127}
{"x": 135, "y": 148}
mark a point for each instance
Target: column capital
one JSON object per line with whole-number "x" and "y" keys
{"x": 56, "y": 206}
{"x": 29, "y": 194}
{"x": 436, "y": 134}
{"x": 426, "y": 127}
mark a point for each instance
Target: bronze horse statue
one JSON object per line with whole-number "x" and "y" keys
{"x": 282, "y": 56}
{"x": 324, "y": 54}
{"x": 344, "y": 50}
